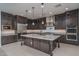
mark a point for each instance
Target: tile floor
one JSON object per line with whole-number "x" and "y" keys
{"x": 15, "y": 49}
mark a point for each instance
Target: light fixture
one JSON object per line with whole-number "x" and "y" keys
{"x": 30, "y": 11}
{"x": 50, "y": 13}
{"x": 26, "y": 10}
{"x": 33, "y": 11}
{"x": 66, "y": 9}
{"x": 42, "y": 22}
{"x": 33, "y": 23}
{"x": 26, "y": 16}
{"x": 42, "y": 5}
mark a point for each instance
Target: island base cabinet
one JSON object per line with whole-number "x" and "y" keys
{"x": 42, "y": 45}
{"x": 27, "y": 41}
{"x": 8, "y": 39}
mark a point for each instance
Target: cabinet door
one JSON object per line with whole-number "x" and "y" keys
{"x": 71, "y": 18}
{"x": 36, "y": 43}
{"x": 44, "y": 46}
{"x": 60, "y": 21}
{"x": 14, "y": 23}
{"x": 42, "y": 23}
{"x": 8, "y": 39}
{"x": 28, "y": 41}
{"x": 4, "y": 40}
{"x": 6, "y": 19}
{"x": 37, "y": 23}
{"x": 21, "y": 19}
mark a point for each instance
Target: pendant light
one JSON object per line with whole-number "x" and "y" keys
{"x": 26, "y": 16}
{"x": 33, "y": 23}
{"x": 42, "y": 6}
{"x": 26, "y": 12}
{"x": 33, "y": 11}
{"x": 33, "y": 14}
{"x": 42, "y": 22}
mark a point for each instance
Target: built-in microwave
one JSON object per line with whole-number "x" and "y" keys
{"x": 6, "y": 27}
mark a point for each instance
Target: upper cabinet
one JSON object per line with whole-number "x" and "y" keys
{"x": 42, "y": 23}
{"x": 36, "y": 23}
{"x": 21, "y": 19}
{"x": 7, "y": 20}
{"x": 72, "y": 18}
{"x": 68, "y": 18}
{"x": 60, "y": 21}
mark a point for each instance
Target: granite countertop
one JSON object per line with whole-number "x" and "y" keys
{"x": 60, "y": 32}
{"x": 7, "y": 32}
{"x": 44, "y": 37}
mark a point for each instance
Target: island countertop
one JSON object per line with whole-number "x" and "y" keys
{"x": 44, "y": 37}
{"x": 44, "y": 43}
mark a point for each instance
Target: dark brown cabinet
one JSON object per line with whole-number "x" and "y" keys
{"x": 60, "y": 21}
{"x": 36, "y": 23}
{"x": 72, "y": 18}
{"x": 8, "y": 39}
{"x": 42, "y": 23}
{"x": 21, "y": 19}
{"x": 46, "y": 46}
{"x": 69, "y": 21}
{"x": 72, "y": 27}
{"x": 36, "y": 43}
{"x": 31, "y": 24}
{"x": 28, "y": 42}
{"x": 8, "y": 19}
{"x": 8, "y": 22}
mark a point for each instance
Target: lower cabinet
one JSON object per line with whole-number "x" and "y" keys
{"x": 28, "y": 41}
{"x": 8, "y": 39}
{"x": 42, "y": 45}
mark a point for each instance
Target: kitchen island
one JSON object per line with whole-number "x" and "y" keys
{"x": 44, "y": 43}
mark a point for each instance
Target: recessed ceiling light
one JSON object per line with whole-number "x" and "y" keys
{"x": 50, "y": 12}
{"x": 66, "y": 9}
{"x": 30, "y": 11}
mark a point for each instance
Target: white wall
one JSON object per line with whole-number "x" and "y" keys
{"x": 0, "y": 28}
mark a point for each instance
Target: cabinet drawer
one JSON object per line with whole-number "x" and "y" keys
{"x": 8, "y": 39}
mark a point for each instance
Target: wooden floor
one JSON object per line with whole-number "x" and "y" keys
{"x": 15, "y": 49}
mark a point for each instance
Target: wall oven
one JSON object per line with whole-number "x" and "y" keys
{"x": 6, "y": 27}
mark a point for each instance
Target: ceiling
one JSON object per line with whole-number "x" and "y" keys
{"x": 19, "y": 9}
